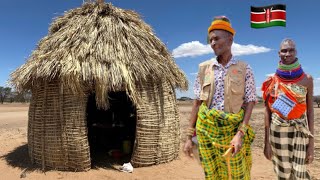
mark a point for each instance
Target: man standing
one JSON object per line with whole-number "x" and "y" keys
{"x": 289, "y": 116}
{"x": 225, "y": 95}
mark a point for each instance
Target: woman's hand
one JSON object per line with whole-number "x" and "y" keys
{"x": 236, "y": 142}
{"x": 310, "y": 153}
{"x": 267, "y": 151}
{"x": 188, "y": 147}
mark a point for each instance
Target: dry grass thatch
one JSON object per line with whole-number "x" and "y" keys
{"x": 100, "y": 48}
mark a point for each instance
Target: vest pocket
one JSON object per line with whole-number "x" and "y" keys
{"x": 205, "y": 90}
{"x": 237, "y": 86}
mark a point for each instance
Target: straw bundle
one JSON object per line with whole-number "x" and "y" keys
{"x": 103, "y": 48}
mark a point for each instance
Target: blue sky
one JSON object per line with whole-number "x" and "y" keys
{"x": 182, "y": 26}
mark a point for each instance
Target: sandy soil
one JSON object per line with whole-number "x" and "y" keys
{"x": 14, "y": 160}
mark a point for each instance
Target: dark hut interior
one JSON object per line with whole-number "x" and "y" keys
{"x": 111, "y": 132}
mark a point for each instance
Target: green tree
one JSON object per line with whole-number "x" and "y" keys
{"x": 23, "y": 97}
{"x": 4, "y": 93}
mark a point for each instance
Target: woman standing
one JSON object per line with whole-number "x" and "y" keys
{"x": 289, "y": 117}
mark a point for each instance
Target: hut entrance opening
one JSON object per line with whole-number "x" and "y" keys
{"x": 111, "y": 132}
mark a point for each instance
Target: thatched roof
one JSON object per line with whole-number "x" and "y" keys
{"x": 101, "y": 48}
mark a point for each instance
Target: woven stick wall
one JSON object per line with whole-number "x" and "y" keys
{"x": 158, "y": 126}
{"x": 57, "y": 128}
{"x": 57, "y": 133}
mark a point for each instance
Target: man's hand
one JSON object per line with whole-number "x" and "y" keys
{"x": 237, "y": 143}
{"x": 267, "y": 151}
{"x": 188, "y": 148}
{"x": 310, "y": 153}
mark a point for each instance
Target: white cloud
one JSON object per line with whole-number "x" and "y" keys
{"x": 191, "y": 49}
{"x": 195, "y": 48}
{"x": 194, "y": 74}
{"x": 271, "y": 74}
{"x": 239, "y": 50}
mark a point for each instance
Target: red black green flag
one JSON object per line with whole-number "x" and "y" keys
{"x": 267, "y": 16}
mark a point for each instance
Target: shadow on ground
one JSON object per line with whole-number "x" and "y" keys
{"x": 19, "y": 158}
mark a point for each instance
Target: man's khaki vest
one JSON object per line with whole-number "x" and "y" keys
{"x": 234, "y": 85}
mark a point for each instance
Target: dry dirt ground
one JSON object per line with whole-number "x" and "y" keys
{"x": 14, "y": 160}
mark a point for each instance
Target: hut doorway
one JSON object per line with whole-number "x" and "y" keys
{"x": 111, "y": 132}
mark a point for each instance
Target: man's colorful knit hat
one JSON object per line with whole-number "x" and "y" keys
{"x": 223, "y": 23}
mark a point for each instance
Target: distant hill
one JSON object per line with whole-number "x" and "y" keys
{"x": 184, "y": 99}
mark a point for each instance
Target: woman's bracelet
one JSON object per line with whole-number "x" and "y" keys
{"x": 243, "y": 128}
{"x": 190, "y": 132}
{"x": 242, "y": 133}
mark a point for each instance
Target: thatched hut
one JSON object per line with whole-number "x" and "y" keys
{"x": 100, "y": 67}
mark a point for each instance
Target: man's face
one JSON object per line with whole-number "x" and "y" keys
{"x": 220, "y": 41}
{"x": 287, "y": 53}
